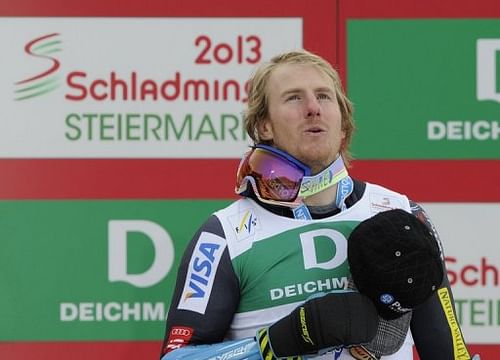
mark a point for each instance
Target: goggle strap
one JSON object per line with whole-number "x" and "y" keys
{"x": 345, "y": 188}
{"x": 330, "y": 176}
{"x": 301, "y": 212}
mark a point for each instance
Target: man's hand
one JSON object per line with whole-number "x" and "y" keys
{"x": 333, "y": 320}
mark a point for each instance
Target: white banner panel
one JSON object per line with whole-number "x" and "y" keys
{"x": 471, "y": 241}
{"x": 131, "y": 87}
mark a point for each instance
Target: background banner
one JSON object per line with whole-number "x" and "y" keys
{"x": 441, "y": 88}
{"x": 121, "y": 132}
{"x": 132, "y": 87}
{"x": 92, "y": 270}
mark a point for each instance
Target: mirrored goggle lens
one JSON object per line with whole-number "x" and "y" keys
{"x": 276, "y": 178}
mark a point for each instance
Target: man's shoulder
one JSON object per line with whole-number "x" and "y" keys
{"x": 381, "y": 188}
{"x": 236, "y": 207}
{"x": 360, "y": 187}
{"x": 380, "y": 198}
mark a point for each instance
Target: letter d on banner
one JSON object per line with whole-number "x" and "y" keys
{"x": 309, "y": 249}
{"x": 117, "y": 248}
{"x": 486, "y": 69}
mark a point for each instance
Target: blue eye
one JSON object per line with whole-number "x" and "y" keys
{"x": 293, "y": 97}
{"x": 323, "y": 96}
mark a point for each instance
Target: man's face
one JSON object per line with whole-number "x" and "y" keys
{"x": 304, "y": 115}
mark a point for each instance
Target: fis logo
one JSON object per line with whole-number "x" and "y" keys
{"x": 46, "y": 81}
{"x": 244, "y": 224}
{"x": 248, "y": 221}
{"x": 201, "y": 272}
{"x": 488, "y": 69}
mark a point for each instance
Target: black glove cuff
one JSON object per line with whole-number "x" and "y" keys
{"x": 267, "y": 351}
{"x": 333, "y": 320}
{"x": 294, "y": 334}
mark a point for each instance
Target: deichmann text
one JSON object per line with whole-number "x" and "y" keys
{"x": 309, "y": 287}
{"x": 112, "y": 311}
{"x": 463, "y": 130}
{"x": 152, "y": 127}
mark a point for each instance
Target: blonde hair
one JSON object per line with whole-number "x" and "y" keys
{"x": 257, "y": 108}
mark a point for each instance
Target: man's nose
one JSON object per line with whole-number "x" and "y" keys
{"x": 312, "y": 107}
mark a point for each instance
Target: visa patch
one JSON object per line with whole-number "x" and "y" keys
{"x": 201, "y": 272}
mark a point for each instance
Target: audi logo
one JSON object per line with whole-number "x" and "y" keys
{"x": 180, "y": 332}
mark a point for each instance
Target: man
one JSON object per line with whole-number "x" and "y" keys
{"x": 259, "y": 269}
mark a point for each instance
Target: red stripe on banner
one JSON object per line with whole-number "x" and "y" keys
{"x": 421, "y": 180}
{"x": 435, "y": 180}
{"x": 125, "y": 8}
{"x": 487, "y": 351}
{"x": 128, "y": 350}
{"x": 259, "y": 8}
{"x": 84, "y": 350}
{"x": 381, "y": 9}
{"x": 122, "y": 179}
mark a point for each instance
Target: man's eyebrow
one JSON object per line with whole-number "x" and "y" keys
{"x": 325, "y": 89}
{"x": 290, "y": 91}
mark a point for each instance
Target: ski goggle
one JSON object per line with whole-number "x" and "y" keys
{"x": 278, "y": 178}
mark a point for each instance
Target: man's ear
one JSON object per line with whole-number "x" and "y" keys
{"x": 265, "y": 130}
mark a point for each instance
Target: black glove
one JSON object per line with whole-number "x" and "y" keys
{"x": 333, "y": 320}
